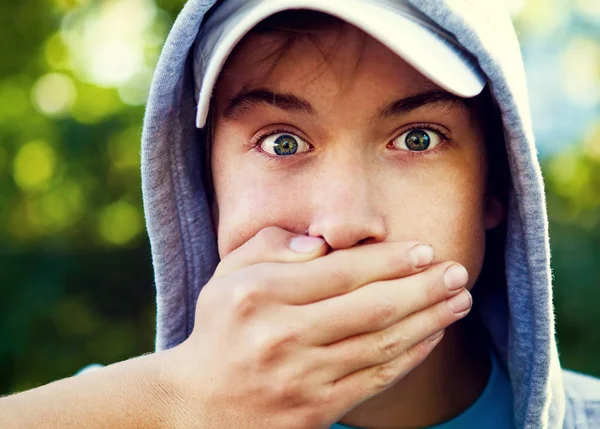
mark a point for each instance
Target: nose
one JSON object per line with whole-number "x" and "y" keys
{"x": 345, "y": 211}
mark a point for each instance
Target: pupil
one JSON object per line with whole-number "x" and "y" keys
{"x": 417, "y": 140}
{"x": 285, "y": 145}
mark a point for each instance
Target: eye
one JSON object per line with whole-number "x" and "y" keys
{"x": 417, "y": 140}
{"x": 284, "y": 144}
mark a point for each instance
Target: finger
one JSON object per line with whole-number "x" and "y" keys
{"x": 343, "y": 271}
{"x": 272, "y": 244}
{"x": 368, "y": 382}
{"x": 376, "y": 348}
{"x": 379, "y": 305}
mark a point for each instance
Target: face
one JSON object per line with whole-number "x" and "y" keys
{"x": 357, "y": 147}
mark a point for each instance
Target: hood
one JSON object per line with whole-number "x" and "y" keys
{"x": 520, "y": 317}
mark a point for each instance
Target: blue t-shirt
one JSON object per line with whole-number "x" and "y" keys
{"x": 492, "y": 410}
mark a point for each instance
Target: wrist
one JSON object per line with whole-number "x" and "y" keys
{"x": 169, "y": 398}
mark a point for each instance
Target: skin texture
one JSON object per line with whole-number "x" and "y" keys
{"x": 354, "y": 186}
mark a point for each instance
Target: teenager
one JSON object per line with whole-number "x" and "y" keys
{"x": 348, "y": 229}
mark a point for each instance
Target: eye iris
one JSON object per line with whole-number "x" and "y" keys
{"x": 285, "y": 145}
{"x": 417, "y": 140}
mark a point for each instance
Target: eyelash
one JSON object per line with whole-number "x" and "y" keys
{"x": 257, "y": 141}
{"x": 444, "y": 144}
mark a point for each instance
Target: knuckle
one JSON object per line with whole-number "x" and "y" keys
{"x": 388, "y": 346}
{"x": 382, "y": 313}
{"x": 287, "y": 393}
{"x": 325, "y": 399}
{"x": 246, "y": 299}
{"x": 384, "y": 376}
{"x": 274, "y": 346}
{"x": 263, "y": 358}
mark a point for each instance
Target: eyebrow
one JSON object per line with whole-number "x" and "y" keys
{"x": 248, "y": 98}
{"x": 435, "y": 97}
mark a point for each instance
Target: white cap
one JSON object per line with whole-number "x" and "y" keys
{"x": 412, "y": 35}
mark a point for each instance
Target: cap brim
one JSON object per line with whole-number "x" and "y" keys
{"x": 432, "y": 54}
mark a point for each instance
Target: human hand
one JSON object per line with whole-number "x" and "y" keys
{"x": 288, "y": 339}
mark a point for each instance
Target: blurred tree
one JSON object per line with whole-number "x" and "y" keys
{"x": 573, "y": 181}
{"x": 75, "y": 263}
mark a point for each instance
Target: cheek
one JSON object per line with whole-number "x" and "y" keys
{"x": 244, "y": 212}
{"x": 446, "y": 211}
{"x": 249, "y": 201}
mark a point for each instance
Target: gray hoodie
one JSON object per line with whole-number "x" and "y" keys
{"x": 519, "y": 318}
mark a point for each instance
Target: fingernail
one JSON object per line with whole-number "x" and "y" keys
{"x": 421, "y": 255}
{"x": 455, "y": 277}
{"x": 305, "y": 244}
{"x": 433, "y": 338}
{"x": 460, "y": 303}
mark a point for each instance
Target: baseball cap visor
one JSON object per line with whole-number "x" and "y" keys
{"x": 392, "y": 24}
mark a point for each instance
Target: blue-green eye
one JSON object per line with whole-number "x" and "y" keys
{"x": 417, "y": 140}
{"x": 284, "y": 144}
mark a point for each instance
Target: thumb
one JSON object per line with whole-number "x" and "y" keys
{"x": 272, "y": 244}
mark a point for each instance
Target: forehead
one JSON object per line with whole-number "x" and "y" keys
{"x": 337, "y": 59}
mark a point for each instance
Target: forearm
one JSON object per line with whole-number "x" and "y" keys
{"x": 134, "y": 393}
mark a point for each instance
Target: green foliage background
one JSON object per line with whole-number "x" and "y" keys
{"x": 75, "y": 269}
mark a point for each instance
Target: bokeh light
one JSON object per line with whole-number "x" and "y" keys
{"x": 107, "y": 40}
{"x": 120, "y": 222}
{"x": 591, "y": 8}
{"x": 34, "y": 165}
{"x": 54, "y": 94}
{"x": 540, "y": 18}
{"x": 581, "y": 71}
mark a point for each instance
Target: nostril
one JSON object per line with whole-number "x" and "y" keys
{"x": 368, "y": 240}
{"x": 342, "y": 231}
